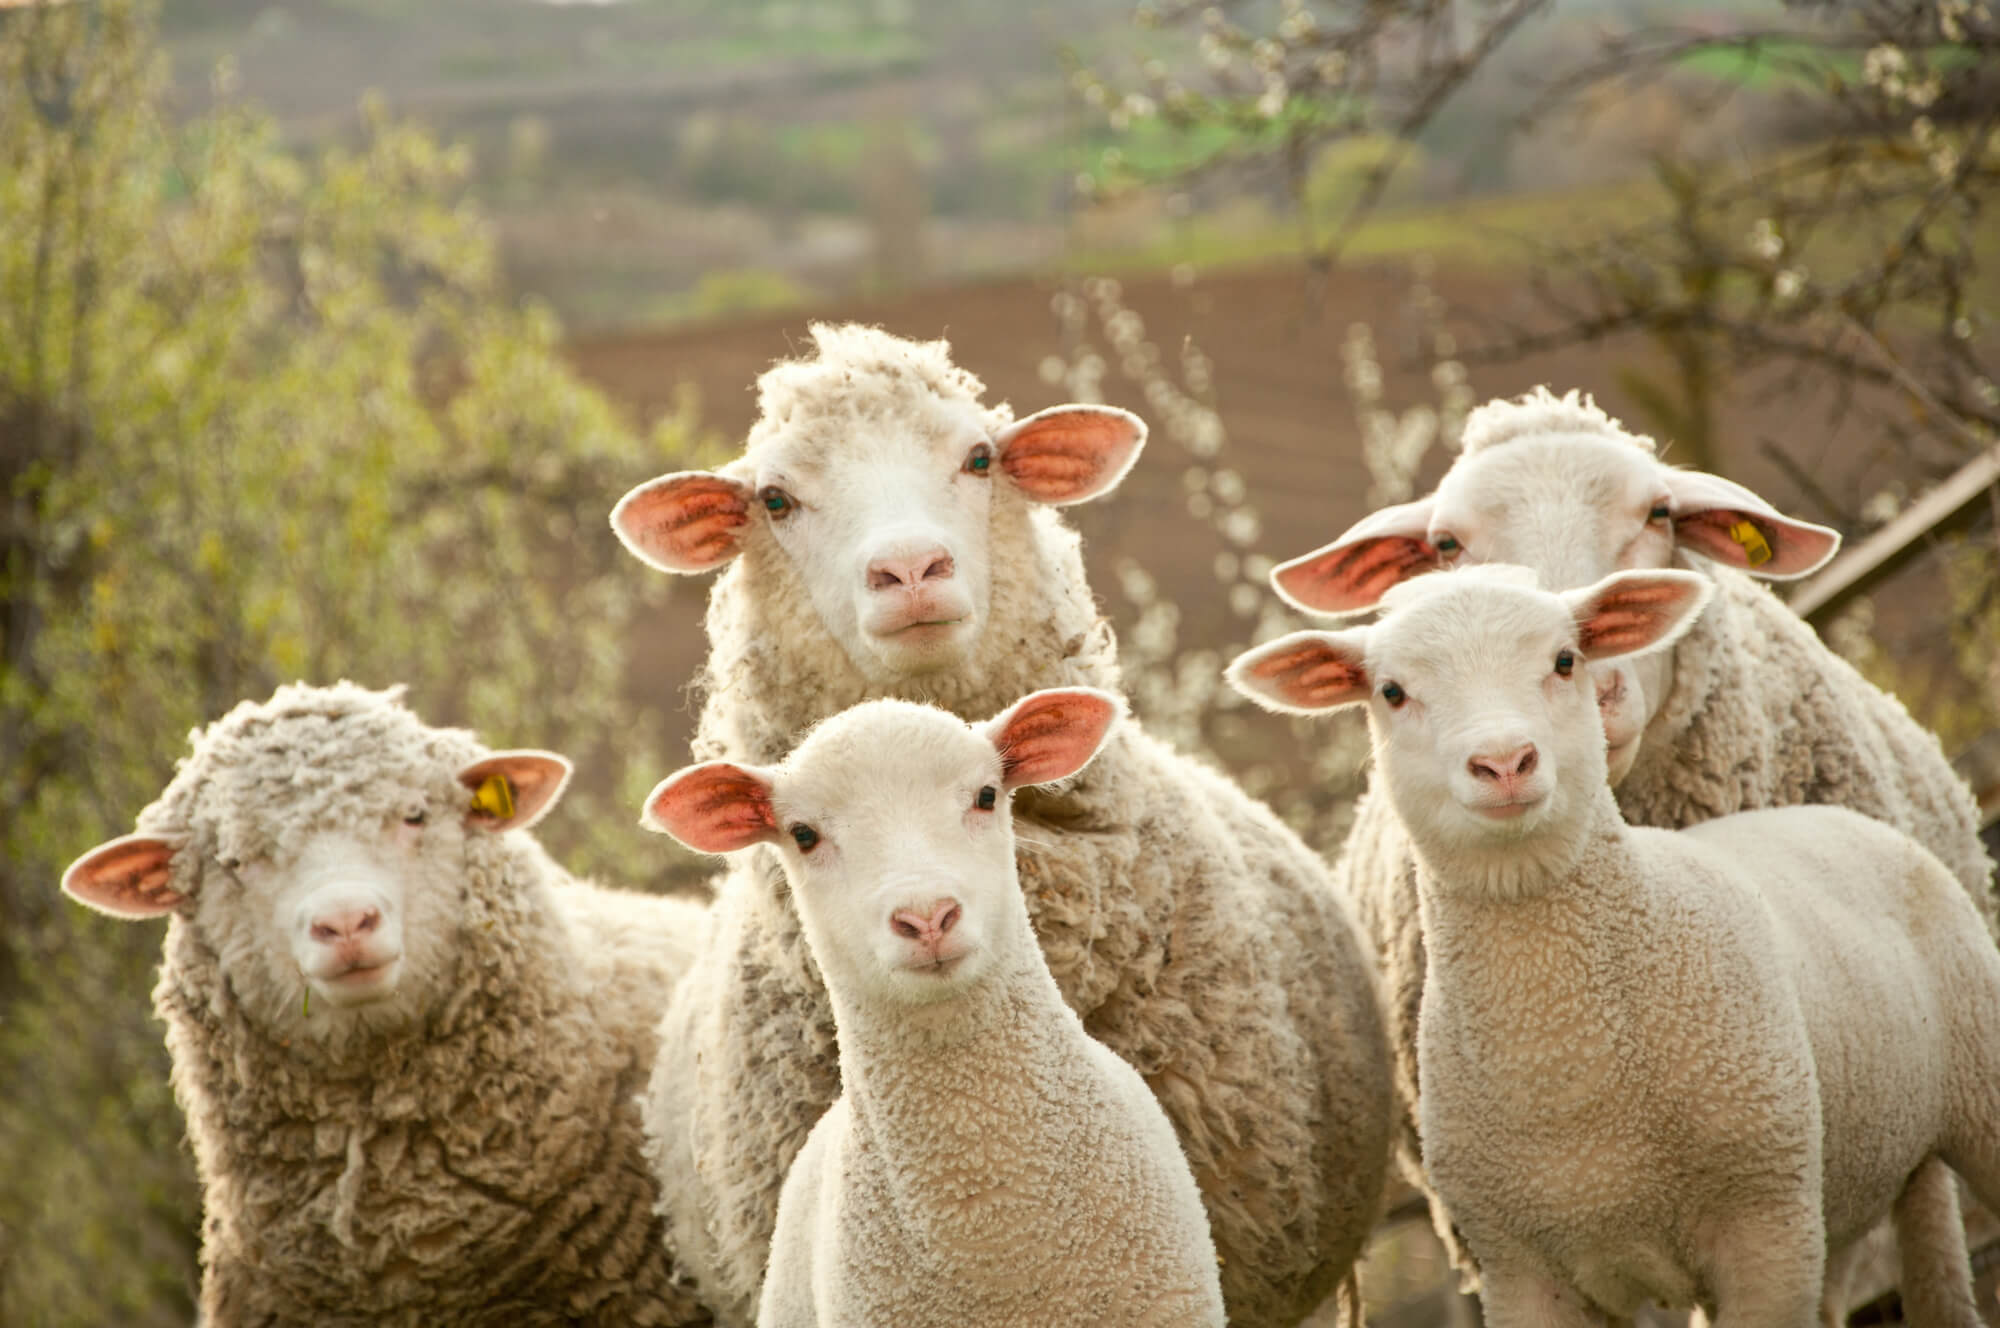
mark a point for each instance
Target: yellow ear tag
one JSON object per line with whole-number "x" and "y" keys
{"x": 1755, "y": 550}
{"x": 495, "y": 796}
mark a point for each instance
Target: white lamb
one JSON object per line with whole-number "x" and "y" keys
{"x": 988, "y": 1164}
{"x": 1684, "y": 1066}
{"x": 407, "y": 1043}
{"x": 1747, "y": 710}
{"x": 887, "y": 534}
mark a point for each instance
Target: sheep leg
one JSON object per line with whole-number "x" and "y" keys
{"x": 1770, "y": 1268}
{"x": 1935, "y": 1272}
{"x": 1516, "y": 1297}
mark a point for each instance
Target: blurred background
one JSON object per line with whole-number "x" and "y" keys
{"x": 330, "y": 331}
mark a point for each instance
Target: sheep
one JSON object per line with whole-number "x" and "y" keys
{"x": 1747, "y": 710}
{"x": 887, "y": 534}
{"x": 407, "y": 1044}
{"x": 1680, "y": 1065}
{"x": 987, "y": 1163}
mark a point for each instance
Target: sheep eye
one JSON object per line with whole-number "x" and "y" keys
{"x": 1565, "y": 663}
{"x": 1661, "y": 512}
{"x": 1447, "y": 546}
{"x": 987, "y": 797}
{"x": 979, "y": 460}
{"x": 776, "y": 501}
{"x": 805, "y": 837}
{"x": 1394, "y": 695}
{"x": 415, "y": 818}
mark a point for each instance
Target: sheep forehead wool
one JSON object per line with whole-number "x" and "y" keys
{"x": 1471, "y": 624}
{"x": 886, "y": 747}
{"x": 864, "y": 376}
{"x": 1541, "y": 412}
{"x": 269, "y": 776}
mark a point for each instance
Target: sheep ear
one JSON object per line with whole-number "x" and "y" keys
{"x": 513, "y": 790}
{"x": 1378, "y": 552}
{"x": 1631, "y": 613}
{"x": 1305, "y": 673}
{"x": 685, "y": 522}
{"x": 1052, "y": 734}
{"x": 1721, "y": 519}
{"x": 1071, "y": 454}
{"x": 127, "y": 877}
{"x": 715, "y": 807}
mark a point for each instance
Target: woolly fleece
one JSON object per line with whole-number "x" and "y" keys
{"x": 483, "y": 1168}
{"x": 1193, "y": 932}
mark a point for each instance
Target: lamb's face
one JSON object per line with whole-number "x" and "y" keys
{"x": 1483, "y": 713}
{"x": 1480, "y": 692}
{"x": 893, "y": 823}
{"x": 334, "y": 903}
{"x": 1574, "y": 507}
{"x": 898, "y": 842}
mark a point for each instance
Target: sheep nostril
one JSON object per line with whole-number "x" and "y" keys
{"x": 1526, "y": 763}
{"x": 941, "y": 569}
{"x": 948, "y": 919}
{"x": 904, "y": 926}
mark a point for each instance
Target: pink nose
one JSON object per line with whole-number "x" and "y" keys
{"x": 906, "y": 570}
{"x": 329, "y": 928}
{"x": 1501, "y": 769}
{"x": 914, "y": 926}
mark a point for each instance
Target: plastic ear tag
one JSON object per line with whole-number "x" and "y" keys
{"x": 495, "y": 796}
{"x": 1755, "y": 549}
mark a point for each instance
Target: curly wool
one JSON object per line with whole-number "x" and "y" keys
{"x": 482, "y": 1168}
{"x": 1541, "y": 412}
{"x": 1195, "y": 935}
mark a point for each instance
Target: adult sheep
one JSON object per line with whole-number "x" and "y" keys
{"x": 407, "y": 1043}
{"x": 1747, "y": 710}
{"x": 887, "y": 534}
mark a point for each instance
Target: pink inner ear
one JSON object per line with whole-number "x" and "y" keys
{"x": 715, "y": 808}
{"x": 537, "y": 778}
{"x": 1344, "y": 578}
{"x": 1067, "y": 455}
{"x": 683, "y": 523}
{"x": 1630, "y": 618}
{"x": 1051, "y": 736}
{"x": 1311, "y": 675}
{"x": 1794, "y": 547}
{"x": 126, "y": 878}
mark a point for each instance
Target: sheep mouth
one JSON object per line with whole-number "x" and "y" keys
{"x": 1509, "y": 809}
{"x": 360, "y": 983}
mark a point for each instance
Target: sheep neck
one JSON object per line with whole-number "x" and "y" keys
{"x": 903, "y": 1068}
{"x": 1554, "y": 885}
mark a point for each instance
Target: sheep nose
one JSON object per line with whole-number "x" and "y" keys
{"x": 914, "y": 926}
{"x": 909, "y": 569}
{"x": 1500, "y": 769}
{"x": 346, "y": 925}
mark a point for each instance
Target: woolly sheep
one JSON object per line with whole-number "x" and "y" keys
{"x": 1677, "y": 1065}
{"x": 407, "y": 1044}
{"x": 988, "y": 1163}
{"x": 1195, "y": 935}
{"x": 1747, "y": 710}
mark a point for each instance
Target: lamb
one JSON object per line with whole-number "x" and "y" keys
{"x": 889, "y": 535}
{"x": 406, "y": 1042}
{"x": 1681, "y": 1065}
{"x": 1747, "y": 710}
{"x": 988, "y": 1163}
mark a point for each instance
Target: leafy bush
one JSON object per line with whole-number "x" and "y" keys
{"x": 261, "y": 418}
